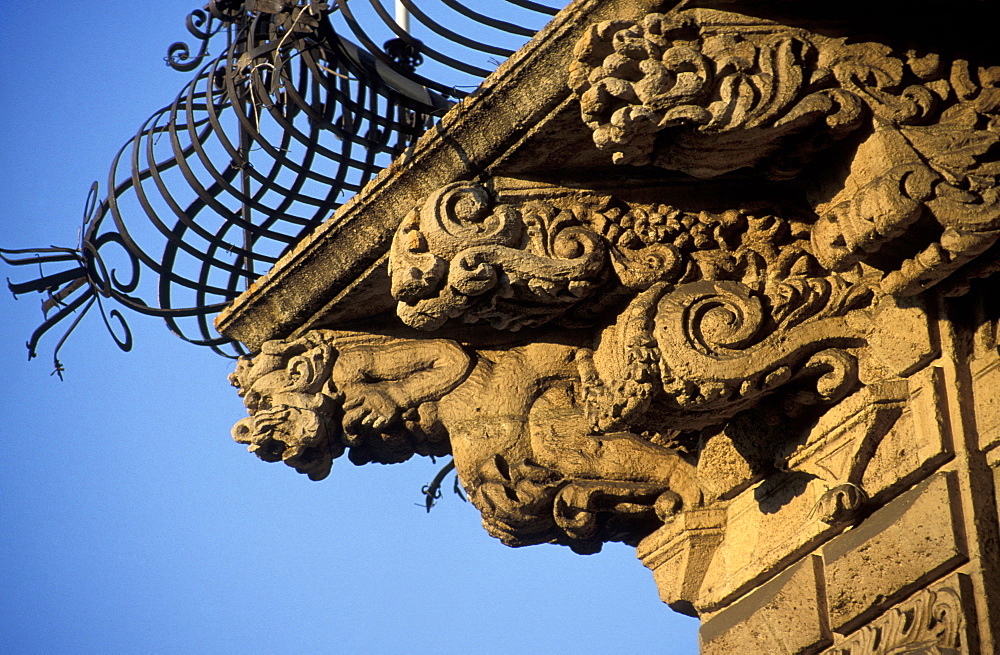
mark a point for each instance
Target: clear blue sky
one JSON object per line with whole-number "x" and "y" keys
{"x": 130, "y": 522}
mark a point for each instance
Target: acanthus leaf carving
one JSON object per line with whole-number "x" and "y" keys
{"x": 929, "y": 622}
{"x": 462, "y": 255}
{"x": 706, "y": 92}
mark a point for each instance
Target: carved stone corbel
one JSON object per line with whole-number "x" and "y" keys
{"x": 383, "y": 399}
{"x": 682, "y": 347}
{"x": 708, "y": 92}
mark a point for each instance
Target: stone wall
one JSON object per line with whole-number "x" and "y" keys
{"x": 881, "y": 537}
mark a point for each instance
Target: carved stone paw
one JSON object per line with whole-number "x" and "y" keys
{"x": 368, "y": 409}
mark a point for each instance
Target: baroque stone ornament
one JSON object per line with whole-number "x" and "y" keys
{"x": 463, "y": 256}
{"x": 573, "y": 439}
{"x": 512, "y": 419}
{"x": 725, "y": 306}
{"x": 930, "y": 622}
{"x": 720, "y": 318}
{"x": 708, "y": 92}
{"x": 314, "y": 397}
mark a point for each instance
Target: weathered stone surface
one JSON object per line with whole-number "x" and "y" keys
{"x": 680, "y": 552}
{"x": 675, "y": 277}
{"x": 900, "y": 547}
{"x": 785, "y": 615}
{"x": 916, "y": 444}
{"x": 933, "y": 620}
{"x": 909, "y": 345}
{"x": 725, "y": 471}
{"x": 986, "y": 382}
{"x": 786, "y": 514}
{"x": 993, "y": 459}
{"x": 513, "y": 419}
{"x": 766, "y": 526}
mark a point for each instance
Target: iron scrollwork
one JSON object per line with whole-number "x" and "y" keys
{"x": 264, "y": 142}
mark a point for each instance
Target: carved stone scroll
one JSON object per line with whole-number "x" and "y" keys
{"x": 726, "y": 306}
{"x": 708, "y": 92}
{"x": 461, "y": 255}
{"x": 930, "y": 622}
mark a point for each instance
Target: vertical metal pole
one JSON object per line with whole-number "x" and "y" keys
{"x": 402, "y": 16}
{"x": 242, "y": 27}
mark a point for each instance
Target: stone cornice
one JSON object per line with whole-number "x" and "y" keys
{"x": 351, "y": 244}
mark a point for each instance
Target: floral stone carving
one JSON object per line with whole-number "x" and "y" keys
{"x": 929, "y": 622}
{"x": 592, "y": 352}
{"x": 708, "y": 92}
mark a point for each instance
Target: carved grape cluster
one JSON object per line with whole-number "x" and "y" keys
{"x": 686, "y": 231}
{"x": 636, "y": 78}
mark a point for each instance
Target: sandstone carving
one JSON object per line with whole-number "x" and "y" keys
{"x": 735, "y": 331}
{"x": 708, "y": 92}
{"x": 726, "y": 88}
{"x": 930, "y": 622}
{"x": 511, "y": 418}
{"x": 727, "y": 306}
{"x": 462, "y": 256}
{"x": 311, "y": 398}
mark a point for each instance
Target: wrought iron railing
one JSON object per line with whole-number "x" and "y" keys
{"x": 265, "y": 141}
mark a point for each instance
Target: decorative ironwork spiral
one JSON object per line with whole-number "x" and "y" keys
{"x": 264, "y": 143}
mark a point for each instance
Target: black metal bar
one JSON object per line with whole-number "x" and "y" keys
{"x": 318, "y": 115}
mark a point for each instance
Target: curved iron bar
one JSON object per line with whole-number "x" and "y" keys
{"x": 179, "y": 53}
{"x": 264, "y": 142}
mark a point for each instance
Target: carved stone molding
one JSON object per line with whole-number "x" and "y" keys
{"x": 708, "y": 92}
{"x": 929, "y": 622}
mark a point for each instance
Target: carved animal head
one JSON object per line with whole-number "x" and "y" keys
{"x": 287, "y": 390}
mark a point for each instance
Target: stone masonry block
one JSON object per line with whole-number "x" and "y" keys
{"x": 907, "y": 543}
{"x": 916, "y": 444}
{"x": 785, "y": 615}
{"x": 985, "y": 382}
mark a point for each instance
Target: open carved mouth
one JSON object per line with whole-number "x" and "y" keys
{"x": 295, "y": 436}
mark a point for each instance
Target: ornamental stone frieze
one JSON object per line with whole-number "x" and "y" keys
{"x": 712, "y": 280}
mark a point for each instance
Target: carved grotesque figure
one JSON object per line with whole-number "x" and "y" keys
{"x": 514, "y": 419}
{"x": 312, "y": 398}
{"x": 291, "y": 399}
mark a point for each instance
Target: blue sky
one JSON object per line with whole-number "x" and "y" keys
{"x": 131, "y": 522}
